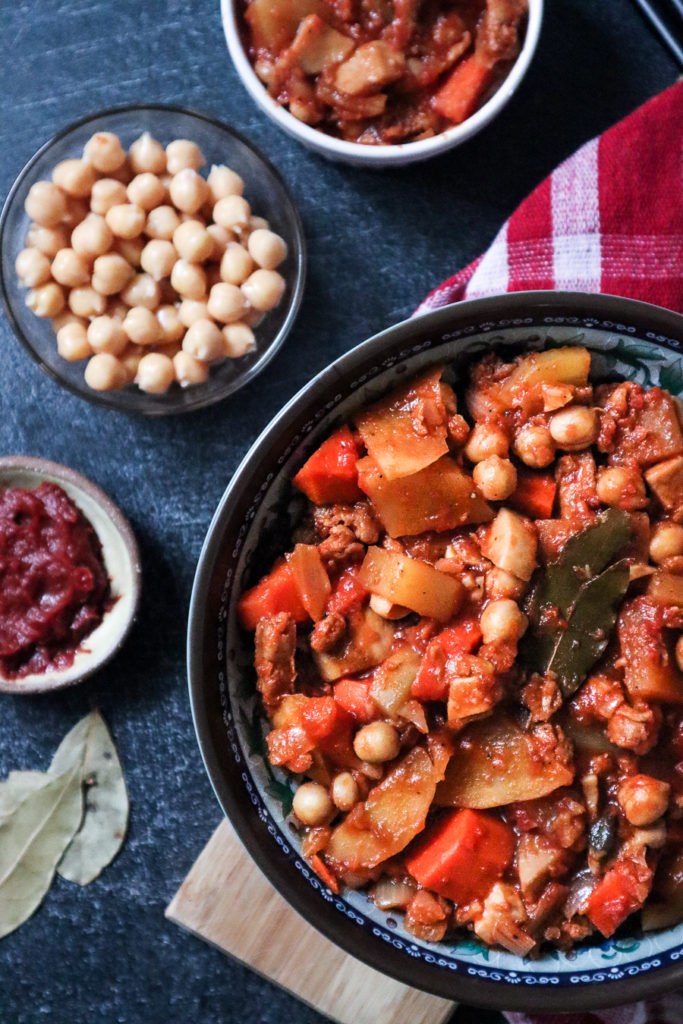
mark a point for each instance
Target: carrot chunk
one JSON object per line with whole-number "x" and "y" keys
{"x": 618, "y": 894}
{"x": 534, "y": 495}
{"x": 463, "y": 638}
{"x": 354, "y": 696}
{"x": 459, "y": 96}
{"x": 463, "y": 855}
{"x": 275, "y": 593}
{"x": 330, "y": 475}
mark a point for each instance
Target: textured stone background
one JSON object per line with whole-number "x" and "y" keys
{"x": 378, "y": 241}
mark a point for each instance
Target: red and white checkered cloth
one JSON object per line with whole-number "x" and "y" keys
{"x": 608, "y": 219}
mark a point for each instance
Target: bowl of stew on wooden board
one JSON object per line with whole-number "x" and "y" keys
{"x": 433, "y": 651}
{"x": 387, "y": 85}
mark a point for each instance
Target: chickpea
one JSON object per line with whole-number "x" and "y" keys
{"x": 105, "y": 152}
{"x": 143, "y": 290}
{"x": 188, "y": 190}
{"x": 87, "y": 302}
{"x": 181, "y": 153}
{"x": 193, "y": 241}
{"x": 221, "y": 238}
{"x": 130, "y": 249}
{"x": 141, "y": 326}
{"x": 502, "y": 620}
{"x": 189, "y": 280}
{"x": 92, "y": 237}
{"x": 535, "y": 446}
{"x": 189, "y": 370}
{"x": 45, "y": 204}
{"x": 47, "y": 300}
{"x": 105, "y": 372}
{"x": 107, "y": 335}
{"x": 496, "y": 478}
{"x": 67, "y": 317}
{"x": 267, "y": 248}
{"x": 224, "y": 182}
{"x": 263, "y": 289}
{"x": 32, "y": 267}
{"x": 345, "y": 791}
{"x": 238, "y": 339}
{"x": 191, "y": 310}
{"x": 232, "y": 212}
{"x": 312, "y": 804}
{"x": 679, "y": 653}
{"x": 107, "y": 192}
{"x": 236, "y": 264}
{"x": 75, "y": 177}
{"x": 501, "y": 583}
{"x": 47, "y": 240}
{"x": 172, "y": 327}
{"x": 155, "y": 373}
{"x": 204, "y": 341}
{"x": 146, "y": 191}
{"x": 486, "y": 439}
{"x": 621, "y": 487}
{"x": 111, "y": 273}
{"x": 643, "y": 799}
{"x": 72, "y": 342}
{"x": 575, "y": 427}
{"x": 666, "y": 541}
{"x": 158, "y": 258}
{"x": 126, "y": 220}
{"x": 146, "y": 154}
{"x": 377, "y": 742}
{"x": 71, "y": 268}
{"x": 226, "y": 302}
{"x": 162, "y": 222}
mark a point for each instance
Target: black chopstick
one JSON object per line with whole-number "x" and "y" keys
{"x": 659, "y": 25}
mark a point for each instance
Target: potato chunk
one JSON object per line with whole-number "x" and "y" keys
{"x": 511, "y": 544}
{"x": 569, "y": 365}
{"x": 666, "y": 480}
{"x": 367, "y": 643}
{"x": 411, "y": 583}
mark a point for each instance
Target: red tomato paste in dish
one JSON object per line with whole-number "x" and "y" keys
{"x": 54, "y": 587}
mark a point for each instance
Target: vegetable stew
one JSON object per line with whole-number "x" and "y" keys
{"x": 380, "y": 72}
{"x": 471, "y": 654}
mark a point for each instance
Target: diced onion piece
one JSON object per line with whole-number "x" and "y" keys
{"x": 310, "y": 578}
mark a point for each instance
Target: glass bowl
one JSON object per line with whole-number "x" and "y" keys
{"x": 269, "y": 198}
{"x": 628, "y": 340}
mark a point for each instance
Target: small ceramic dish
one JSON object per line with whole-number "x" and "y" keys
{"x": 627, "y": 340}
{"x": 268, "y": 196}
{"x": 232, "y": 13}
{"x": 121, "y": 559}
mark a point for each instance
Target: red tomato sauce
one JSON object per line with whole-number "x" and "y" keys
{"x": 54, "y": 587}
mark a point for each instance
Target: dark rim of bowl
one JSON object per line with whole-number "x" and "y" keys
{"x": 44, "y": 469}
{"x": 102, "y": 397}
{"x": 206, "y": 678}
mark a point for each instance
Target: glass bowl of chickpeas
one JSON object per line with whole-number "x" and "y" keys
{"x": 152, "y": 259}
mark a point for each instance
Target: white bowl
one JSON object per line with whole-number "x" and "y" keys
{"x": 121, "y": 560}
{"x": 375, "y": 156}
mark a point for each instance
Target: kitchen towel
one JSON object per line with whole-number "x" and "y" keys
{"x": 608, "y": 219}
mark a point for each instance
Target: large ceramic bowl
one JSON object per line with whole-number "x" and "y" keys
{"x": 268, "y": 196}
{"x": 627, "y": 339}
{"x": 232, "y": 13}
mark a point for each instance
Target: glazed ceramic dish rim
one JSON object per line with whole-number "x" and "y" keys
{"x": 227, "y": 762}
{"x": 378, "y": 156}
{"x": 159, "y": 407}
{"x": 121, "y": 559}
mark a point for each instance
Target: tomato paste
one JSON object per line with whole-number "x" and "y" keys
{"x": 54, "y": 588}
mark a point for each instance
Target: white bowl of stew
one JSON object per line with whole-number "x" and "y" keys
{"x": 448, "y": 96}
{"x": 619, "y": 960}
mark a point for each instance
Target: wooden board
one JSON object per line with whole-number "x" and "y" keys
{"x": 225, "y": 893}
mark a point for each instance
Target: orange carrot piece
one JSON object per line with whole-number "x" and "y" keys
{"x": 275, "y": 593}
{"x": 534, "y": 495}
{"x": 353, "y": 695}
{"x": 463, "y": 638}
{"x": 458, "y": 97}
{"x": 322, "y": 871}
{"x": 330, "y": 475}
{"x": 618, "y": 894}
{"x": 463, "y": 855}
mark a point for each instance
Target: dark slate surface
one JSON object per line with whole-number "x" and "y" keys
{"x": 378, "y": 241}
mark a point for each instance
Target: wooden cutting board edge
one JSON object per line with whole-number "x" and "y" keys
{"x": 222, "y": 895}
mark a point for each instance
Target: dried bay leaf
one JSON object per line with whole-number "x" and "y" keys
{"x": 17, "y": 787}
{"x": 32, "y": 840}
{"x": 105, "y": 819}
